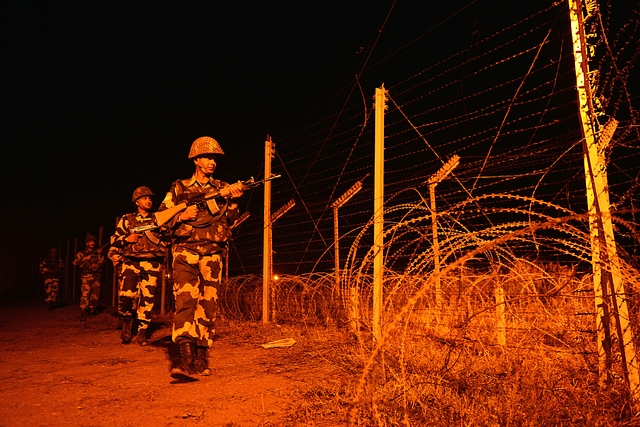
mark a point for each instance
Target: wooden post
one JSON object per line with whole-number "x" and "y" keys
{"x": 269, "y": 148}
{"x": 35, "y": 278}
{"x": 272, "y": 219}
{"x": 235, "y": 225}
{"x": 353, "y": 291}
{"x": 336, "y": 248}
{"x": 75, "y": 269}
{"x": 66, "y": 271}
{"x": 378, "y": 212}
{"x": 354, "y": 312}
{"x": 337, "y": 204}
{"x": 607, "y": 278}
{"x": 501, "y": 315}
{"x": 436, "y": 248}
{"x": 434, "y": 179}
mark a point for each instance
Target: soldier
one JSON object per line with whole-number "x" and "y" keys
{"x": 140, "y": 255}
{"x": 90, "y": 261}
{"x": 51, "y": 270}
{"x": 199, "y": 243}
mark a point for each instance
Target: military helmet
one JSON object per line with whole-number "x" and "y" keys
{"x": 141, "y": 192}
{"x": 204, "y": 145}
{"x": 90, "y": 237}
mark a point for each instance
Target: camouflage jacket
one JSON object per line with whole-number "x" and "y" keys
{"x": 51, "y": 268}
{"x": 210, "y": 231}
{"x": 89, "y": 261}
{"x": 150, "y": 244}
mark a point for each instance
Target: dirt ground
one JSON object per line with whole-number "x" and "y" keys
{"x": 59, "y": 372}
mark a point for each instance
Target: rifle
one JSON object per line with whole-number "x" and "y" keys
{"x": 163, "y": 216}
{"x": 81, "y": 262}
{"x": 142, "y": 228}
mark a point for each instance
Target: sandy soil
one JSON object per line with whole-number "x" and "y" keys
{"x": 58, "y": 372}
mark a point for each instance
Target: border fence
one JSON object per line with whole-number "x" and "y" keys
{"x": 510, "y": 281}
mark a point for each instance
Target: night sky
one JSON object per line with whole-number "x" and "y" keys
{"x": 101, "y": 97}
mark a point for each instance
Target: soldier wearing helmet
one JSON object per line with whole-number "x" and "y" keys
{"x": 199, "y": 244}
{"x": 90, "y": 261}
{"x": 138, "y": 256}
{"x": 141, "y": 192}
{"x": 204, "y": 145}
{"x": 51, "y": 269}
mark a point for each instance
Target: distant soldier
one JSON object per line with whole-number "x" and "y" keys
{"x": 200, "y": 235}
{"x": 90, "y": 261}
{"x": 140, "y": 255}
{"x": 51, "y": 270}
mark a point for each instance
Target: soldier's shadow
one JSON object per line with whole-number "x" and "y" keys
{"x": 172, "y": 350}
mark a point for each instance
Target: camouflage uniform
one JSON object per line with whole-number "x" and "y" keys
{"x": 200, "y": 236}
{"x": 51, "y": 271}
{"x": 199, "y": 247}
{"x": 90, "y": 262}
{"x": 140, "y": 268}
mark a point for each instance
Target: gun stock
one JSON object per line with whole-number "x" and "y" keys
{"x": 164, "y": 216}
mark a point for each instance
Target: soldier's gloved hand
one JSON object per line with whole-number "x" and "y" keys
{"x": 236, "y": 190}
{"x": 188, "y": 214}
{"x": 132, "y": 238}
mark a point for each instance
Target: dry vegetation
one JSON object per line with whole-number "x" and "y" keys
{"x": 445, "y": 367}
{"x": 502, "y": 333}
{"x": 508, "y": 340}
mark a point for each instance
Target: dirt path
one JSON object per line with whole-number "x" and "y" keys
{"x": 59, "y": 373}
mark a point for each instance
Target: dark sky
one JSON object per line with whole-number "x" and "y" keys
{"x": 101, "y": 97}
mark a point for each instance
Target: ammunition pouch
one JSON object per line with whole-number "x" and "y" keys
{"x": 149, "y": 244}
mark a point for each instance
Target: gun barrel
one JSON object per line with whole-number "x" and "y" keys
{"x": 271, "y": 177}
{"x": 252, "y": 184}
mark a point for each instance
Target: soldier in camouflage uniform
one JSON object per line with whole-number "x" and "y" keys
{"x": 141, "y": 255}
{"x": 199, "y": 239}
{"x": 51, "y": 270}
{"x": 90, "y": 261}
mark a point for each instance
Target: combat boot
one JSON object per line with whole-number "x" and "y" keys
{"x": 200, "y": 362}
{"x": 127, "y": 326}
{"x": 141, "y": 338}
{"x": 185, "y": 370}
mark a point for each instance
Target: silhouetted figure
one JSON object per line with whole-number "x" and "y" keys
{"x": 51, "y": 269}
{"x": 90, "y": 261}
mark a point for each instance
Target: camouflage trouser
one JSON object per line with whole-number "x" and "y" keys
{"x": 195, "y": 287}
{"x": 137, "y": 292}
{"x": 51, "y": 287}
{"x": 90, "y": 290}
